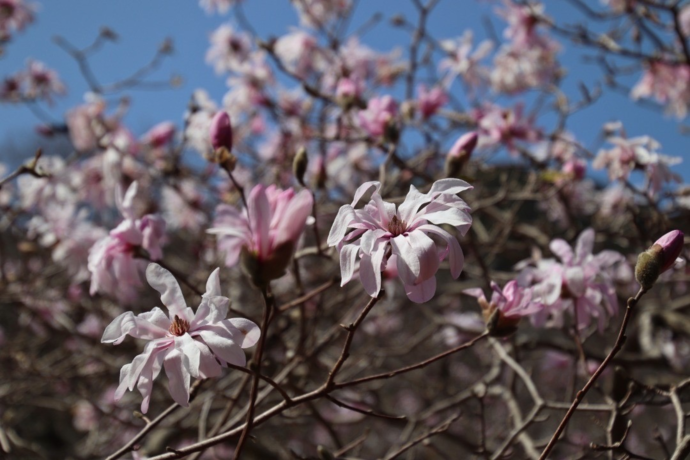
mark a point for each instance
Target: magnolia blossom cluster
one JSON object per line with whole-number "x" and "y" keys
{"x": 14, "y": 16}
{"x": 382, "y": 234}
{"x": 504, "y": 126}
{"x": 33, "y": 83}
{"x": 637, "y": 153}
{"x": 528, "y": 59}
{"x": 114, "y": 263}
{"x": 185, "y": 343}
{"x": 578, "y": 282}
{"x": 668, "y": 83}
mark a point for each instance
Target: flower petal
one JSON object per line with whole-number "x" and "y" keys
{"x": 456, "y": 258}
{"x": 224, "y": 348}
{"x": 185, "y": 344}
{"x": 422, "y": 292}
{"x": 346, "y": 214}
{"x": 178, "y": 377}
{"x": 348, "y": 262}
{"x": 171, "y": 295}
{"x": 451, "y": 186}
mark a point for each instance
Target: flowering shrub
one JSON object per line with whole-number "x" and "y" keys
{"x": 521, "y": 289}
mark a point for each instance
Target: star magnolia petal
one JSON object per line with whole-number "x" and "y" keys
{"x": 410, "y": 233}
{"x": 184, "y": 343}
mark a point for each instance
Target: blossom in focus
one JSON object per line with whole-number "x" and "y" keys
{"x": 506, "y": 307}
{"x": 112, "y": 260}
{"x": 266, "y": 233}
{"x": 661, "y": 256}
{"x": 378, "y": 116}
{"x": 183, "y": 342}
{"x": 380, "y": 231}
{"x": 579, "y": 281}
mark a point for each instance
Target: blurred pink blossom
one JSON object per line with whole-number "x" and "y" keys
{"x": 160, "y": 135}
{"x": 112, "y": 260}
{"x": 380, "y": 112}
{"x": 430, "y": 101}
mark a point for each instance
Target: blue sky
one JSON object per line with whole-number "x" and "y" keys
{"x": 143, "y": 25}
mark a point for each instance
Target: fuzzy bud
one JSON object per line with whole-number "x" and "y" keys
{"x": 658, "y": 258}
{"x": 299, "y": 165}
{"x": 263, "y": 271}
{"x": 497, "y": 324}
{"x": 221, "y": 131}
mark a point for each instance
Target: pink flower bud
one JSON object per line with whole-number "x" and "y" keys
{"x": 465, "y": 145}
{"x": 671, "y": 247}
{"x": 221, "y": 131}
{"x": 659, "y": 258}
{"x": 575, "y": 169}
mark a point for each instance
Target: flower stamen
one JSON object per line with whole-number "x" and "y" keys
{"x": 179, "y": 326}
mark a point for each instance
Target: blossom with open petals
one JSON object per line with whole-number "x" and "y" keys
{"x": 380, "y": 230}
{"x": 112, "y": 262}
{"x": 266, "y": 234}
{"x": 506, "y": 307}
{"x": 184, "y": 343}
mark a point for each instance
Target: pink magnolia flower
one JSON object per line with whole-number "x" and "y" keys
{"x": 160, "y": 135}
{"x": 430, "y": 101}
{"x": 668, "y": 84}
{"x": 349, "y": 89}
{"x": 379, "y": 231}
{"x": 299, "y": 52}
{"x": 185, "y": 343}
{"x": 380, "y": 112}
{"x": 461, "y": 61}
{"x": 86, "y": 124}
{"x": 229, "y": 49}
{"x": 266, "y": 234}
{"x": 316, "y": 13}
{"x": 42, "y": 82}
{"x": 506, "y": 307}
{"x": 505, "y": 126}
{"x": 581, "y": 281}
{"x": 114, "y": 268}
{"x": 637, "y": 153}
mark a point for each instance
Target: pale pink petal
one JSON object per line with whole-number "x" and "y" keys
{"x": 242, "y": 331}
{"x": 584, "y": 245}
{"x": 456, "y": 258}
{"x": 208, "y": 365}
{"x": 292, "y": 224}
{"x": 423, "y": 292}
{"x": 348, "y": 262}
{"x": 185, "y": 344}
{"x": 146, "y": 378}
{"x": 346, "y": 214}
{"x": 178, "y": 377}
{"x": 364, "y": 188}
{"x": 574, "y": 278}
{"x": 224, "y": 348}
{"x": 260, "y": 219}
{"x": 171, "y": 295}
{"x": 450, "y": 186}
{"x": 475, "y": 292}
{"x": 413, "y": 201}
{"x": 370, "y": 269}
{"x": 562, "y": 250}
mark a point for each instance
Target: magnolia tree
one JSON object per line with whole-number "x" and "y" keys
{"x": 404, "y": 254}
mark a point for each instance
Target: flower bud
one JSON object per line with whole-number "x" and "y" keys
{"x": 264, "y": 271}
{"x": 576, "y": 169}
{"x": 299, "y": 165}
{"x": 460, "y": 153}
{"x": 497, "y": 323}
{"x": 221, "y": 131}
{"x": 658, "y": 258}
